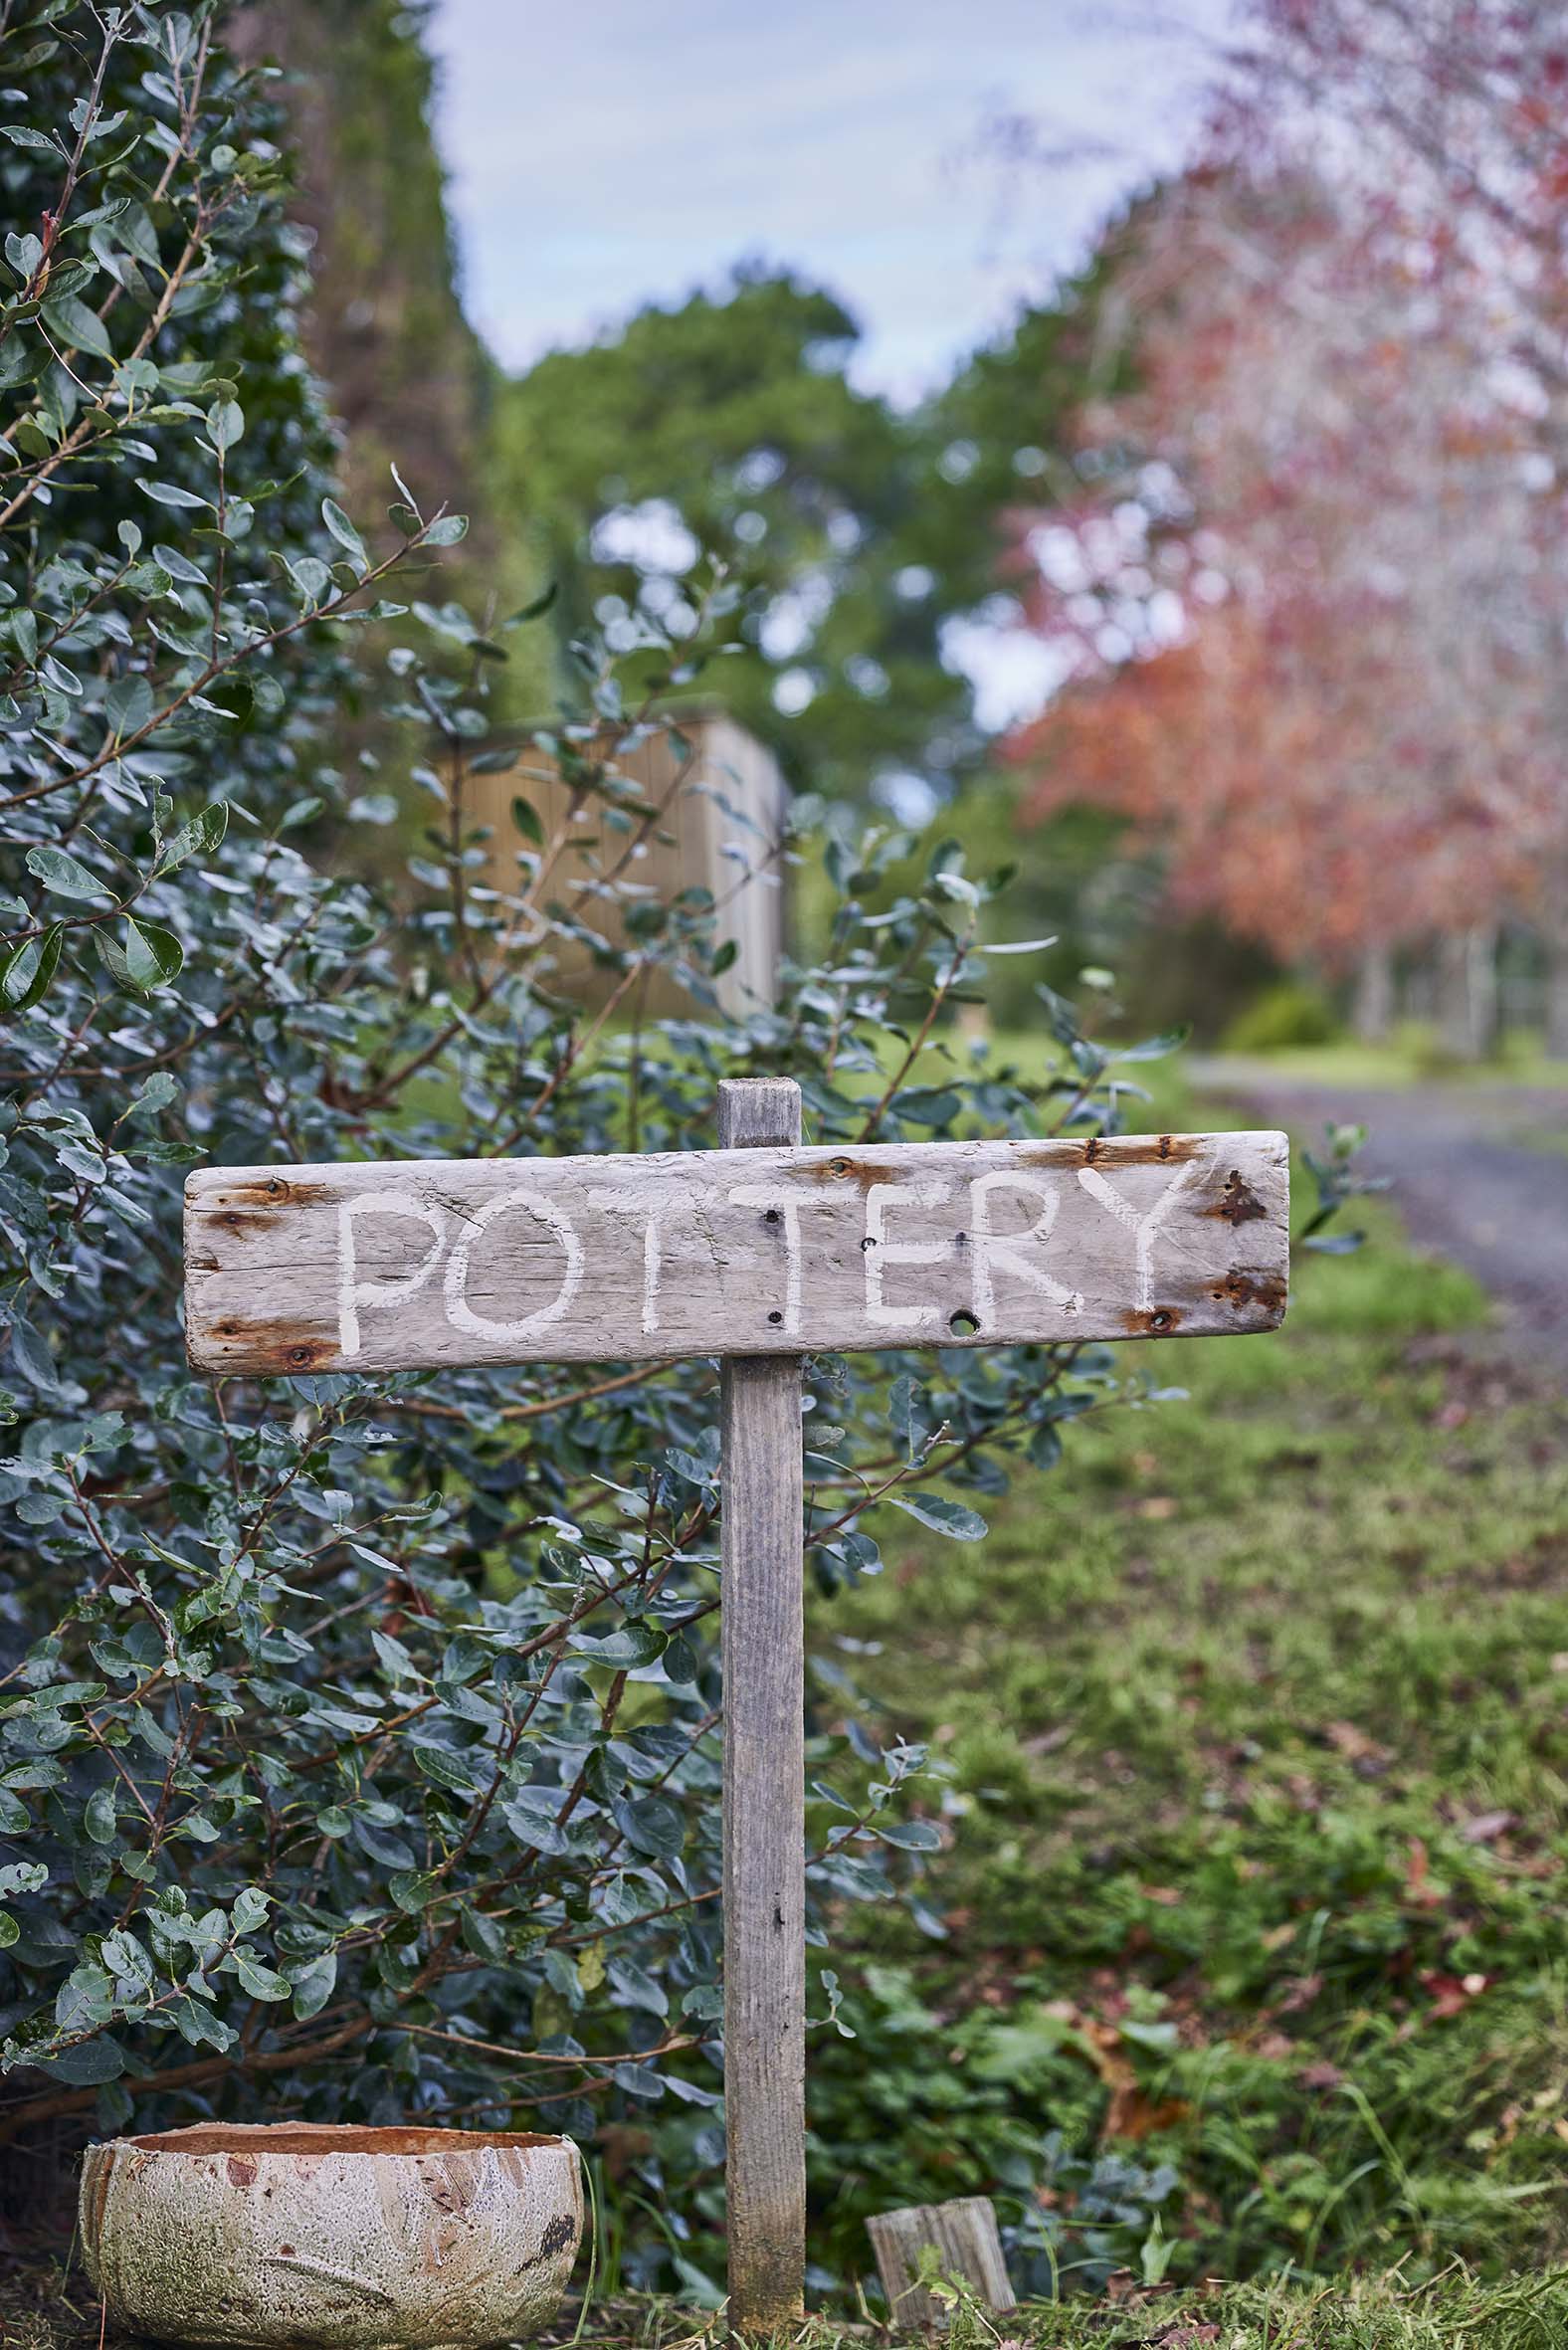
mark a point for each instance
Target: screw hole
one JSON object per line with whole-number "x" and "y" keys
{"x": 775, "y": 1315}
{"x": 962, "y": 1325}
{"x": 770, "y": 1215}
{"x": 839, "y": 1166}
{"x": 1159, "y": 1322}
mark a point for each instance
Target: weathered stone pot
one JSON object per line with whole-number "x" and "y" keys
{"x": 296, "y": 2237}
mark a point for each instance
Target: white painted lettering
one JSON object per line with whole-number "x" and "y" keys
{"x": 1007, "y": 1249}
{"x": 352, "y": 1292}
{"x": 653, "y": 1210}
{"x": 477, "y": 1325}
{"x": 882, "y": 1252}
{"x": 1143, "y": 1228}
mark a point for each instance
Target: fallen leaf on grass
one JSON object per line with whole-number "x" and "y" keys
{"x": 1133, "y": 2114}
{"x": 1354, "y": 1743}
{"x": 1419, "y": 1890}
{"x": 1486, "y": 1827}
{"x": 1452, "y": 1993}
{"x": 1320, "y": 2074}
{"x": 1130, "y": 2111}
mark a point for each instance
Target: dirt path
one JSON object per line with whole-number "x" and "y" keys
{"x": 1481, "y": 1175}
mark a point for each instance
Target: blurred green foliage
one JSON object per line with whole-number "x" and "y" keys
{"x": 1285, "y": 1015}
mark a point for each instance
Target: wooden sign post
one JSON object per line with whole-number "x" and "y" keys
{"x": 759, "y": 1251}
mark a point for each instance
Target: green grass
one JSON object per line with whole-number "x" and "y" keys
{"x": 1255, "y": 1712}
{"x": 1411, "y": 1058}
{"x": 42, "y": 2310}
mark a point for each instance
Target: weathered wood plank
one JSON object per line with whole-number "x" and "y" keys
{"x": 764, "y": 1815}
{"x": 964, "y": 2236}
{"x": 410, "y": 1265}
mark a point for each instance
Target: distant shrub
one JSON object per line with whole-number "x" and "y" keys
{"x": 1287, "y": 1014}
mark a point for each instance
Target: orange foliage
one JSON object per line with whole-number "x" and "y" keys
{"x": 1261, "y": 775}
{"x": 1319, "y": 621}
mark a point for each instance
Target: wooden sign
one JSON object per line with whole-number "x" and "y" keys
{"x": 758, "y": 1252}
{"x": 431, "y": 1263}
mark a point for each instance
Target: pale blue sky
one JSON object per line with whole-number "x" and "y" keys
{"x": 612, "y": 152}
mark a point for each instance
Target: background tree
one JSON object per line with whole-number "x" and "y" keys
{"x": 729, "y": 423}
{"x": 1318, "y": 647}
{"x": 384, "y": 324}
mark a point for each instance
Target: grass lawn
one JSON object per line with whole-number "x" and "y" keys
{"x": 1255, "y": 1712}
{"x": 44, "y": 2310}
{"x": 1411, "y": 1058}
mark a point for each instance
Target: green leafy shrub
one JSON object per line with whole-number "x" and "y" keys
{"x": 1286, "y": 1014}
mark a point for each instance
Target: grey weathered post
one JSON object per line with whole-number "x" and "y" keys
{"x": 765, "y": 1791}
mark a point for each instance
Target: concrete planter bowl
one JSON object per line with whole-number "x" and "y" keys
{"x": 297, "y": 2236}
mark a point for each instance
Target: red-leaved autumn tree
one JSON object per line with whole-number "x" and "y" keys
{"x": 1318, "y": 624}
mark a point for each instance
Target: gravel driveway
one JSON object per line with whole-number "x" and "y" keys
{"x": 1481, "y": 1175}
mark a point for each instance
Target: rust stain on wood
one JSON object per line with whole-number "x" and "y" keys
{"x": 274, "y": 1347}
{"x": 244, "y": 1224}
{"x": 1159, "y": 1322}
{"x": 845, "y": 1169}
{"x": 1238, "y": 1203}
{"x": 1241, "y": 1288}
{"x": 1129, "y": 1150}
{"x": 275, "y": 1191}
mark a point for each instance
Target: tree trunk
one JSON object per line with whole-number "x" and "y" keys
{"x": 1468, "y": 992}
{"x": 1372, "y": 1013}
{"x": 1557, "y": 997}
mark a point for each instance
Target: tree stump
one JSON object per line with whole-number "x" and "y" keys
{"x": 964, "y": 2235}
